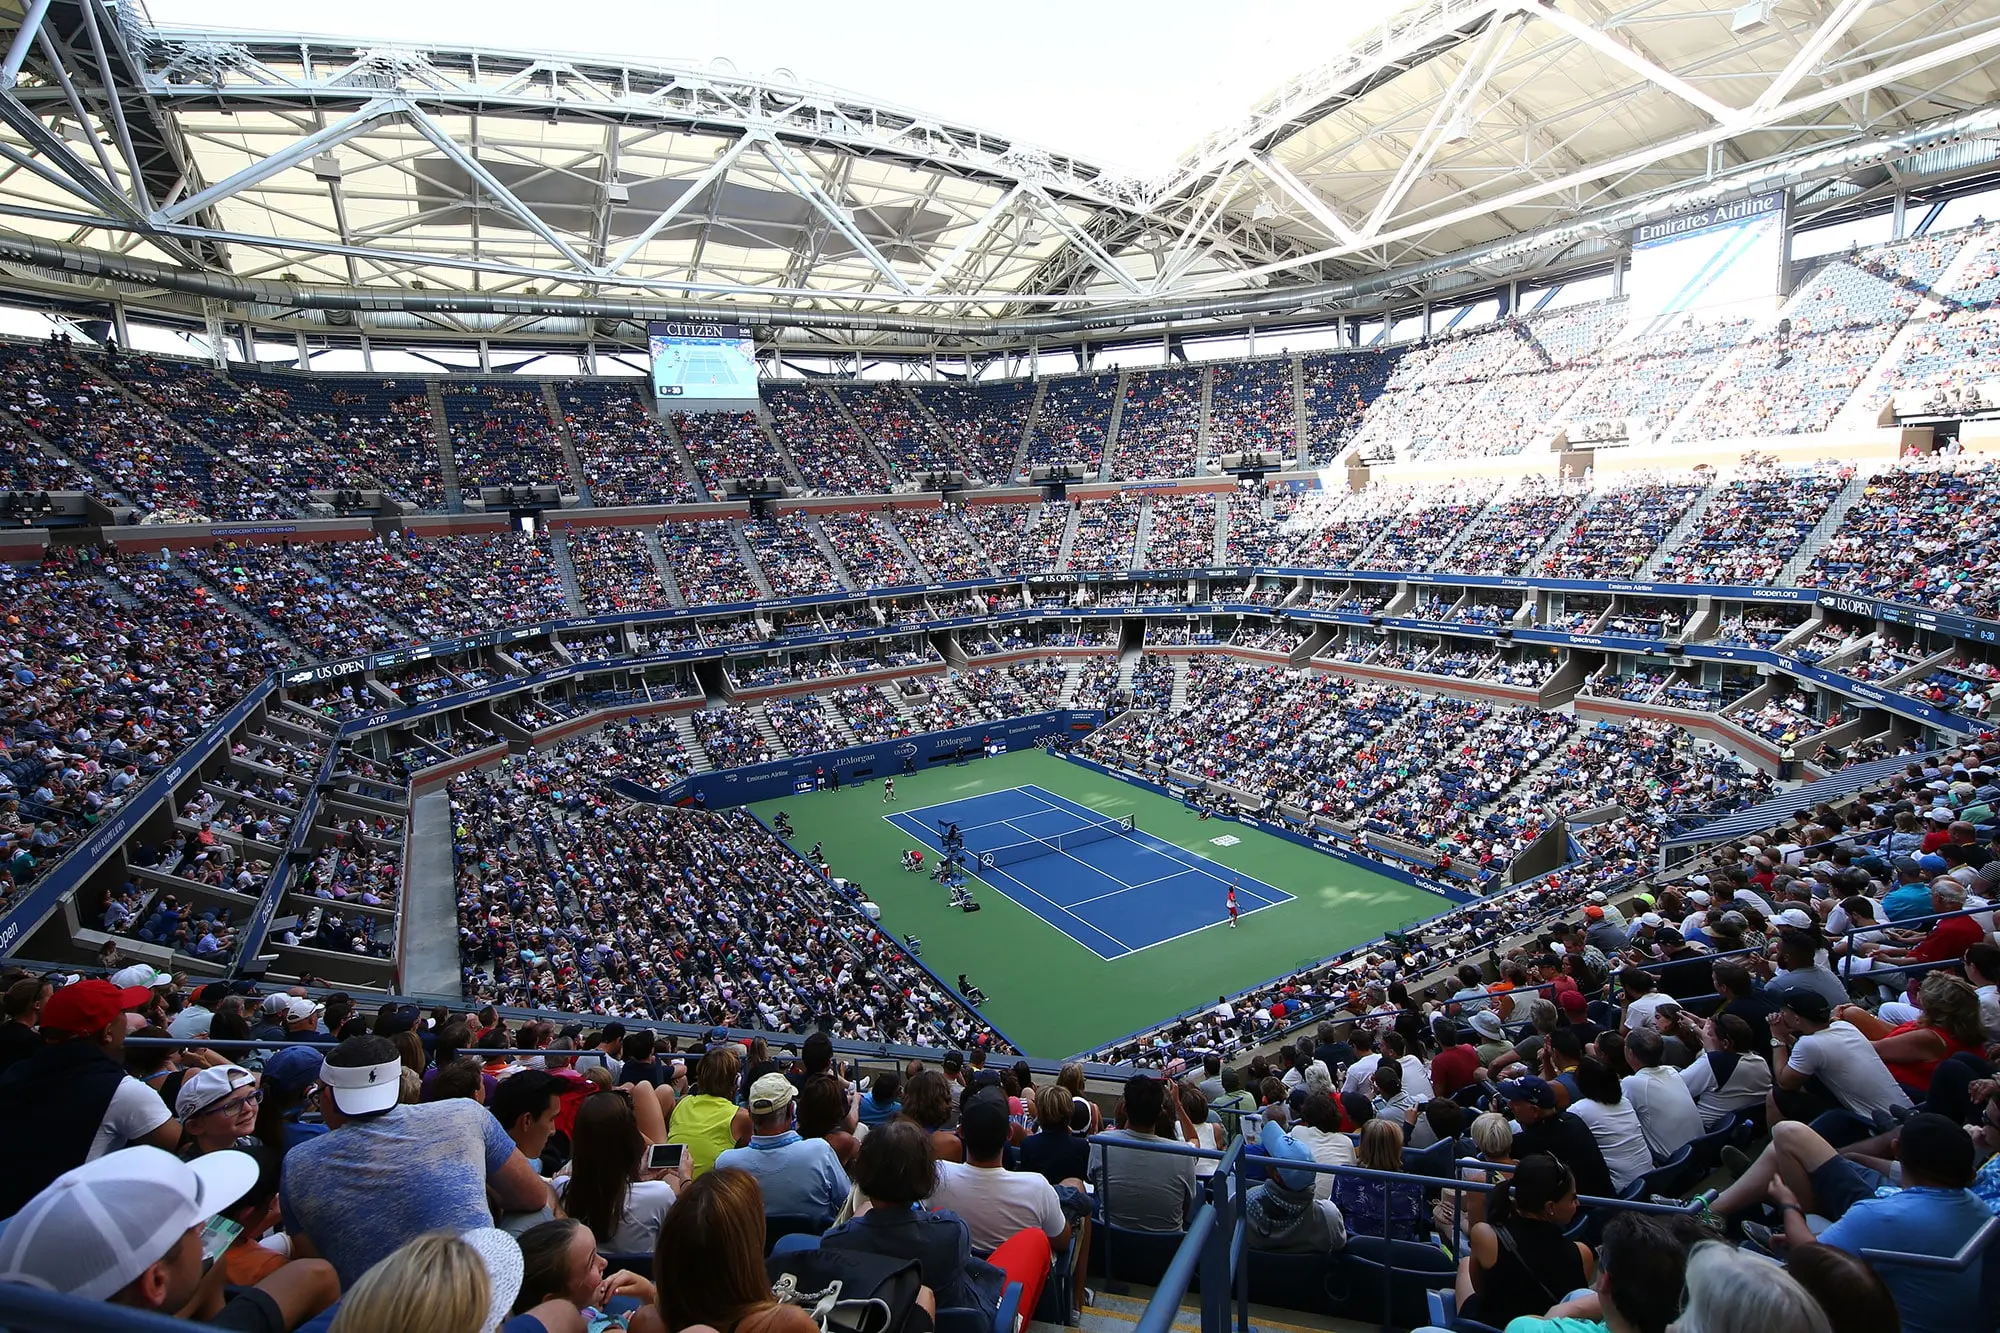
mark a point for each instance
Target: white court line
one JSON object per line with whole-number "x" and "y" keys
{"x": 1201, "y": 866}
{"x": 967, "y": 828}
{"x": 961, "y": 800}
{"x": 1050, "y": 801}
{"x": 1223, "y": 924}
{"x": 981, "y": 875}
{"x": 1092, "y": 926}
{"x": 1126, "y": 888}
{"x": 1173, "y": 853}
{"x": 1176, "y": 854}
{"x": 894, "y": 815}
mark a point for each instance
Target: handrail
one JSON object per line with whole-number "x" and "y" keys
{"x": 1165, "y": 1307}
{"x": 856, "y": 1052}
{"x": 1318, "y": 1015}
{"x": 1845, "y": 965}
{"x": 1216, "y": 1241}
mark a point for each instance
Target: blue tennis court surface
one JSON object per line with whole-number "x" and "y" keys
{"x": 1114, "y": 896}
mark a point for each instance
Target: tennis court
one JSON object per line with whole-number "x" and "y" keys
{"x": 1112, "y": 888}
{"x": 1047, "y": 989}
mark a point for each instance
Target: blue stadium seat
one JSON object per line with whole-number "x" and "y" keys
{"x": 1408, "y": 1268}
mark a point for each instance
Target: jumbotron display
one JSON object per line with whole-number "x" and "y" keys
{"x": 703, "y": 367}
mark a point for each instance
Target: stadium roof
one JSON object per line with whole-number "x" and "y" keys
{"x": 281, "y": 173}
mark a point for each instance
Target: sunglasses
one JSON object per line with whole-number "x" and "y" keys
{"x": 234, "y": 1104}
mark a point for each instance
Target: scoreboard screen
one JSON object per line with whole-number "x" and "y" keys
{"x": 703, "y": 367}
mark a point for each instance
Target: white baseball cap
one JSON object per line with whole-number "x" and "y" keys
{"x": 1796, "y": 919}
{"x": 1652, "y": 919}
{"x": 95, "y": 1229}
{"x": 204, "y": 1088}
{"x": 361, "y": 1089}
{"x": 1700, "y": 898}
{"x": 140, "y": 974}
{"x": 298, "y": 1006}
{"x": 277, "y": 1002}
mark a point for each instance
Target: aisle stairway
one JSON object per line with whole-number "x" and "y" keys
{"x": 1681, "y": 529}
{"x": 761, "y": 720}
{"x": 838, "y": 721}
{"x": 1072, "y": 677}
{"x": 1128, "y": 665}
{"x": 579, "y": 485}
{"x": 1829, "y": 523}
{"x": 662, "y": 566}
{"x": 1104, "y": 466}
{"x": 1142, "y": 534}
{"x": 690, "y": 740}
{"x": 454, "y": 498}
{"x": 565, "y": 570}
{"x": 1028, "y": 430}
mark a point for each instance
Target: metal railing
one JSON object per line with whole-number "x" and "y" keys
{"x": 1216, "y": 1244}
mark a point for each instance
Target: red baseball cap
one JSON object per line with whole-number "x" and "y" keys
{"x": 87, "y": 1006}
{"x": 1571, "y": 1000}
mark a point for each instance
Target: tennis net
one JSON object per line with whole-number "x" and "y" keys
{"x": 1009, "y": 853}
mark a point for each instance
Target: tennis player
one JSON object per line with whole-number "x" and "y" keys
{"x": 1232, "y": 905}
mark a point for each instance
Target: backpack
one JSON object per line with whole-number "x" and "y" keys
{"x": 847, "y": 1291}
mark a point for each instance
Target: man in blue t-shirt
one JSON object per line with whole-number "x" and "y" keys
{"x": 1912, "y": 894}
{"x": 1934, "y": 1214}
{"x": 883, "y": 1098}
{"x": 385, "y": 1174}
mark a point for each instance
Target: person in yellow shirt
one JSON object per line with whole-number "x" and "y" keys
{"x": 710, "y": 1122}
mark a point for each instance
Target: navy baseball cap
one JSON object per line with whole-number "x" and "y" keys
{"x": 1530, "y": 1089}
{"x": 293, "y": 1069}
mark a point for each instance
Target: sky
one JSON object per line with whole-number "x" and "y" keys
{"x": 1126, "y": 86}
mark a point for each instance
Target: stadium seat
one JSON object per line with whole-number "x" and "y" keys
{"x": 1705, "y": 1153}
{"x": 1444, "y": 1313}
{"x": 777, "y": 1226}
{"x": 1842, "y": 1128}
{"x": 1127, "y": 1256}
{"x": 1292, "y": 1281}
{"x": 963, "y": 1319}
{"x": 1435, "y": 1161}
{"x": 1388, "y": 1281}
{"x": 1668, "y": 1178}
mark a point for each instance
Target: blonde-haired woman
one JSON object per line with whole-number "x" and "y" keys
{"x": 1947, "y": 1024}
{"x": 1373, "y": 1207}
{"x": 441, "y": 1283}
{"x": 1455, "y": 1214}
